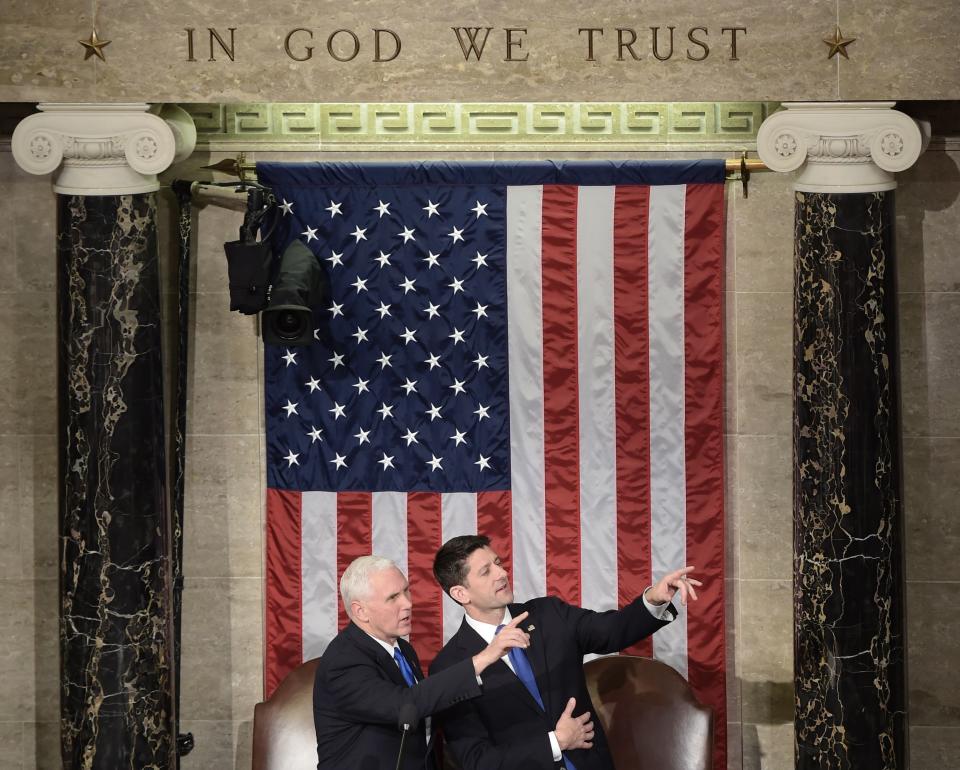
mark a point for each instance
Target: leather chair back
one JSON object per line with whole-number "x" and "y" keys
{"x": 650, "y": 715}
{"x": 284, "y": 737}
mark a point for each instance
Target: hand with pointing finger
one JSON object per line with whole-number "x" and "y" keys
{"x": 510, "y": 636}
{"x": 673, "y": 583}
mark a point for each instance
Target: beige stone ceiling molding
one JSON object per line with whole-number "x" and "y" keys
{"x": 492, "y": 126}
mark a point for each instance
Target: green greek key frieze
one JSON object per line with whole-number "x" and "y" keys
{"x": 479, "y": 125}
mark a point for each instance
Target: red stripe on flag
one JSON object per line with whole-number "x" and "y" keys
{"x": 703, "y": 383}
{"x": 284, "y": 631}
{"x": 561, "y": 407}
{"x": 632, "y": 356}
{"x": 495, "y": 520}
{"x": 424, "y": 531}
{"x": 354, "y": 534}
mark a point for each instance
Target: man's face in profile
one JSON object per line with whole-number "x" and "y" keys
{"x": 487, "y": 584}
{"x": 387, "y": 609}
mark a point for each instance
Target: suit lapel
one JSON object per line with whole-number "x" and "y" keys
{"x": 497, "y": 675}
{"x": 386, "y": 663}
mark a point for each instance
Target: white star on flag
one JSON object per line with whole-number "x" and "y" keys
{"x": 408, "y": 335}
{"x": 383, "y": 259}
{"x": 291, "y": 407}
{"x": 481, "y": 361}
{"x": 431, "y": 209}
{"x": 407, "y": 234}
{"x": 360, "y": 284}
{"x": 459, "y": 436}
{"x": 338, "y": 411}
{"x": 383, "y": 310}
{"x": 483, "y": 462}
{"x": 337, "y": 360}
{"x": 362, "y": 435}
{"x": 385, "y": 411}
{"x": 340, "y": 461}
{"x": 311, "y": 233}
{"x": 433, "y": 361}
{"x": 361, "y": 386}
{"x": 431, "y": 259}
{"x": 480, "y": 209}
{"x": 434, "y": 462}
{"x": 336, "y": 309}
{"x": 456, "y": 234}
{"x": 360, "y": 334}
{"x": 314, "y": 434}
{"x": 410, "y": 386}
{"x": 457, "y": 285}
{"x": 480, "y": 259}
{"x": 386, "y": 461}
{"x": 335, "y": 258}
{"x": 334, "y": 209}
{"x": 291, "y": 459}
{"x": 410, "y": 437}
{"x": 359, "y": 233}
{"x": 482, "y": 411}
{"x": 286, "y": 207}
{"x": 407, "y": 285}
{"x": 289, "y": 357}
{"x": 434, "y": 412}
{"x": 480, "y": 310}
{"x": 432, "y": 310}
{"x": 457, "y": 386}
{"x": 457, "y": 336}
{"x": 383, "y": 208}
{"x": 384, "y": 361}
{"x": 314, "y": 384}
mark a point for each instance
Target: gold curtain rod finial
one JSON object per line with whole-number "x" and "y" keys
{"x": 838, "y": 44}
{"x": 94, "y": 46}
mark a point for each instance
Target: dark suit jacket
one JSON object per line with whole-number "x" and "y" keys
{"x": 505, "y": 729}
{"x": 357, "y": 695}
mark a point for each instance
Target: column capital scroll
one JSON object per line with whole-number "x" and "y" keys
{"x": 103, "y": 149}
{"x": 843, "y": 146}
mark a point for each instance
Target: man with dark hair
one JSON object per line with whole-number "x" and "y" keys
{"x": 524, "y": 719}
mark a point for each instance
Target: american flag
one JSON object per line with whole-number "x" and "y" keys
{"x": 529, "y": 350}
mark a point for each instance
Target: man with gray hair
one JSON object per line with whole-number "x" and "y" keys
{"x": 369, "y": 675}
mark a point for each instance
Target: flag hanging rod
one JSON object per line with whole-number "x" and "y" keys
{"x": 738, "y": 169}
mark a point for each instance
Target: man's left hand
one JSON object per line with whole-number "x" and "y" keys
{"x": 675, "y": 582}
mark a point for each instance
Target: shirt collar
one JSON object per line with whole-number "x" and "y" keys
{"x": 487, "y": 630}
{"x": 388, "y": 647}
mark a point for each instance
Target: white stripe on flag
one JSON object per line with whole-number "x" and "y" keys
{"x": 389, "y": 527}
{"x": 525, "y": 324}
{"x": 459, "y": 517}
{"x": 667, "y": 444}
{"x": 319, "y": 591}
{"x": 598, "y": 482}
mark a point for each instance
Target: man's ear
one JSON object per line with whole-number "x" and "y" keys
{"x": 358, "y": 611}
{"x": 460, "y": 594}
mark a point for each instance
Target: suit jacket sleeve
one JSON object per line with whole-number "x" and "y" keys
{"x": 361, "y": 693}
{"x": 611, "y": 631}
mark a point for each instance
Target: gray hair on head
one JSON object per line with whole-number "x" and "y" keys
{"x": 355, "y": 582}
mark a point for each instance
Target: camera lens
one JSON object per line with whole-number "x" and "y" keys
{"x": 288, "y": 325}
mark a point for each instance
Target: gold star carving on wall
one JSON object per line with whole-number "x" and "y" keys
{"x": 838, "y": 44}
{"x": 94, "y": 46}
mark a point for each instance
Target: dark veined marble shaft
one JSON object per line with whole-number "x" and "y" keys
{"x": 848, "y": 566}
{"x": 115, "y": 698}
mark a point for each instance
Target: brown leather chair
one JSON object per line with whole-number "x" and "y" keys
{"x": 284, "y": 737}
{"x": 650, "y": 715}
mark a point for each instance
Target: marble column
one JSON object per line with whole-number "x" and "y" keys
{"x": 116, "y": 698}
{"x": 849, "y": 679}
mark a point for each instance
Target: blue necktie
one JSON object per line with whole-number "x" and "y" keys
{"x": 405, "y": 669}
{"x": 524, "y": 672}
